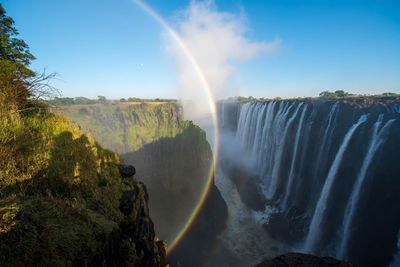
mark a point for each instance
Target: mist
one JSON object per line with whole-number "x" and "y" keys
{"x": 219, "y": 42}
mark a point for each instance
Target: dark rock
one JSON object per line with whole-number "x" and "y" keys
{"x": 302, "y": 260}
{"x": 202, "y": 238}
{"x": 162, "y": 251}
{"x": 127, "y": 201}
{"x": 137, "y": 229}
{"x": 127, "y": 171}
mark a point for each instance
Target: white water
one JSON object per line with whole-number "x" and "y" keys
{"x": 326, "y": 141}
{"x": 377, "y": 140}
{"x": 319, "y": 213}
{"x": 289, "y": 185}
{"x": 277, "y": 166}
{"x": 243, "y": 236}
{"x": 280, "y": 133}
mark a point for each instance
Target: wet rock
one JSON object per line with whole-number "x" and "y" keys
{"x": 127, "y": 171}
{"x": 303, "y": 260}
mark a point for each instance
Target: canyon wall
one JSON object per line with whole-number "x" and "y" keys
{"x": 174, "y": 159}
{"x": 322, "y": 176}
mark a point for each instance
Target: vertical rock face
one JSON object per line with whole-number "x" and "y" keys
{"x": 173, "y": 158}
{"x": 175, "y": 171}
{"x": 64, "y": 202}
{"x": 137, "y": 231}
{"x": 198, "y": 245}
{"x": 323, "y": 168}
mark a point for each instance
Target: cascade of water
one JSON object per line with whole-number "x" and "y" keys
{"x": 242, "y": 124}
{"x": 258, "y": 137}
{"x": 319, "y": 213}
{"x": 281, "y": 147}
{"x": 270, "y": 142}
{"x": 325, "y": 146}
{"x": 289, "y": 185}
{"x": 377, "y": 139}
{"x": 264, "y": 135}
{"x": 223, "y": 114}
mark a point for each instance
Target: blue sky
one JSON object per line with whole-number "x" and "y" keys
{"x": 112, "y": 48}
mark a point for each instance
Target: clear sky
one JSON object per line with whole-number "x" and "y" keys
{"x": 113, "y": 48}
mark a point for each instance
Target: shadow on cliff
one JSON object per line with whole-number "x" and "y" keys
{"x": 35, "y": 217}
{"x": 175, "y": 170}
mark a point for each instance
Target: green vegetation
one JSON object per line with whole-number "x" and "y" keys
{"x": 325, "y": 95}
{"x": 334, "y": 95}
{"x": 173, "y": 155}
{"x": 68, "y": 101}
{"x": 59, "y": 190}
{"x": 126, "y": 127}
{"x": 175, "y": 169}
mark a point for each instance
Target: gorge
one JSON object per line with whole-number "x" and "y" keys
{"x": 313, "y": 176}
{"x": 323, "y": 173}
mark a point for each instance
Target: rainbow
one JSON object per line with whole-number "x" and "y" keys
{"x": 211, "y": 102}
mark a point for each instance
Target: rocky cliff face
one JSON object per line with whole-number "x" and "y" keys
{"x": 63, "y": 201}
{"x": 126, "y": 127}
{"x": 175, "y": 169}
{"x": 200, "y": 245}
{"x": 173, "y": 157}
{"x": 318, "y": 169}
{"x": 302, "y": 260}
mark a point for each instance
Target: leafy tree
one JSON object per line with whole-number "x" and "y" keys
{"x": 18, "y": 83}
{"x": 102, "y": 99}
{"x": 334, "y": 95}
{"x": 13, "y": 49}
{"x": 390, "y": 94}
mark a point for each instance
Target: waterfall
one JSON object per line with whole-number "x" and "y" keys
{"x": 289, "y": 185}
{"x": 297, "y": 151}
{"x": 326, "y": 141}
{"x": 377, "y": 140}
{"x": 319, "y": 213}
{"x": 276, "y": 168}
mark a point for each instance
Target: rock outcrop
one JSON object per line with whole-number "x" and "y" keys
{"x": 63, "y": 201}
{"x": 302, "y": 260}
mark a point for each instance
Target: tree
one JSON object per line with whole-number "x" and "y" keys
{"x": 19, "y": 85}
{"x": 11, "y": 48}
{"x": 341, "y": 93}
{"x": 102, "y": 99}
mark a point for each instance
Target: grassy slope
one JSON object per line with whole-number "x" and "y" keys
{"x": 59, "y": 194}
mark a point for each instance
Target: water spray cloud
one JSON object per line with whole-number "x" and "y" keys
{"x": 205, "y": 87}
{"x": 218, "y": 41}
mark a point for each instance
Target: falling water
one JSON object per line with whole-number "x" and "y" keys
{"x": 293, "y": 163}
{"x": 315, "y": 226}
{"x": 297, "y": 151}
{"x": 375, "y": 143}
{"x": 275, "y": 171}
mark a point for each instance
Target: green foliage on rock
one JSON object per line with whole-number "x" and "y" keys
{"x": 126, "y": 127}
{"x": 175, "y": 169}
{"x": 59, "y": 196}
{"x": 172, "y": 154}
